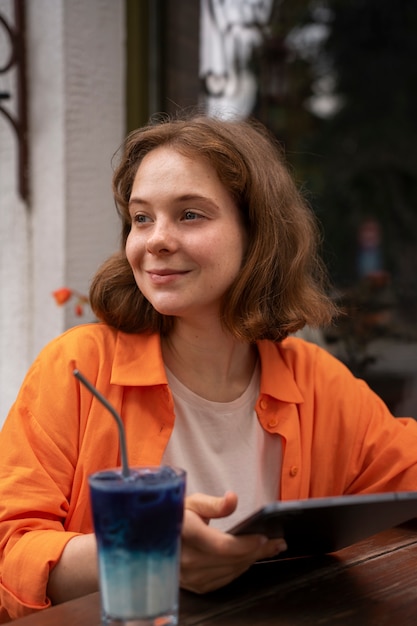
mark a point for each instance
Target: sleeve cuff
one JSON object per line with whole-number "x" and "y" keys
{"x": 25, "y": 571}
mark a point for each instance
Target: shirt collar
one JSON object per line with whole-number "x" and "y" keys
{"x": 138, "y": 360}
{"x": 142, "y": 353}
{"x": 277, "y": 379}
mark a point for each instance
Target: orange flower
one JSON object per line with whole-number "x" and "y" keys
{"x": 62, "y": 295}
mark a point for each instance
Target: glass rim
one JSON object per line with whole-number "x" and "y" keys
{"x": 114, "y": 475}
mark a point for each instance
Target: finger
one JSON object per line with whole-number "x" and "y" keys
{"x": 214, "y": 576}
{"x": 209, "y": 540}
{"x": 273, "y": 547}
{"x": 208, "y": 507}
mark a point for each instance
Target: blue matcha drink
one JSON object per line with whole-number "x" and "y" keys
{"x": 137, "y": 522}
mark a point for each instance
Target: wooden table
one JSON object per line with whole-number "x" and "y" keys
{"x": 371, "y": 583}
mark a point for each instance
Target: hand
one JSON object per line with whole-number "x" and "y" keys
{"x": 210, "y": 558}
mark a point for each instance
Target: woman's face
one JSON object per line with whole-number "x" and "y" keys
{"x": 187, "y": 239}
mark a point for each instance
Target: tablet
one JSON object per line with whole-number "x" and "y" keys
{"x": 323, "y": 525}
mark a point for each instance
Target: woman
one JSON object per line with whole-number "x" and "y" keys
{"x": 218, "y": 265}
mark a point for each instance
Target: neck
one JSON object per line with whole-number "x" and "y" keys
{"x": 210, "y": 362}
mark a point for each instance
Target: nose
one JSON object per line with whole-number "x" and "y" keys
{"x": 161, "y": 238}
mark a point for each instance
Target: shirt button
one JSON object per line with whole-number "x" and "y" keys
{"x": 293, "y": 470}
{"x": 263, "y": 404}
{"x": 272, "y": 423}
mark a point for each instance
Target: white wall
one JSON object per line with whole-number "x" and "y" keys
{"x": 76, "y": 122}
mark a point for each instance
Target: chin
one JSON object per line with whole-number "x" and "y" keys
{"x": 168, "y": 309}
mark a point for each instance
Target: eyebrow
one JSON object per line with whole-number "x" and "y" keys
{"x": 183, "y": 198}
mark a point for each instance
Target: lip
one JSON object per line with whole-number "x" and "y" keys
{"x": 164, "y": 276}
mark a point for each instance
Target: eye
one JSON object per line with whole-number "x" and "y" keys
{"x": 191, "y": 215}
{"x": 139, "y": 218}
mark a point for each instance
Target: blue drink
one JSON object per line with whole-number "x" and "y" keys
{"x": 137, "y": 523}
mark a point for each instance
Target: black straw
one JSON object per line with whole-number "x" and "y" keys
{"x": 109, "y": 407}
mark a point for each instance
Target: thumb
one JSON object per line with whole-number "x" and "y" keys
{"x": 208, "y": 507}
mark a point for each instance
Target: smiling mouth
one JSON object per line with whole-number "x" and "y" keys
{"x": 166, "y": 272}
{"x": 165, "y": 276}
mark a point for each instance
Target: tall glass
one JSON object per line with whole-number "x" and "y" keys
{"x": 137, "y": 523}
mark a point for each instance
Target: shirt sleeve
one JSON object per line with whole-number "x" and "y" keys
{"x": 384, "y": 454}
{"x": 369, "y": 449}
{"x": 36, "y": 472}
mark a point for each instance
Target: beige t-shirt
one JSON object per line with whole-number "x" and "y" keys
{"x": 223, "y": 447}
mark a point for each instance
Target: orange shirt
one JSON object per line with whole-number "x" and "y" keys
{"x": 337, "y": 438}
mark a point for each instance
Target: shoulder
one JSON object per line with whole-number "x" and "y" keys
{"x": 91, "y": 339}
{"x": 301, "y": 351}
{"x": 98, "y": 350}
{"x": 94, "y": 332}
{"x": 298, "y": 353}
{"x": 313, "y": 368}
{"x": 91, "y": 344}
{"x": 328, "y": 391}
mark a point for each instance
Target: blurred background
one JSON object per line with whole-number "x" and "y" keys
{"x": 335, "y": 81}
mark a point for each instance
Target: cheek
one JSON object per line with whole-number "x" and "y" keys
{"x": 228, "y": 256}
{"x": 132, "y": 250}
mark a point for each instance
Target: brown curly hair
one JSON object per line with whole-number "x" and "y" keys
{"x": 281, "y": 286}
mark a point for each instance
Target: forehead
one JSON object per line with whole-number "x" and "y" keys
{"x": 168, "y": 166}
